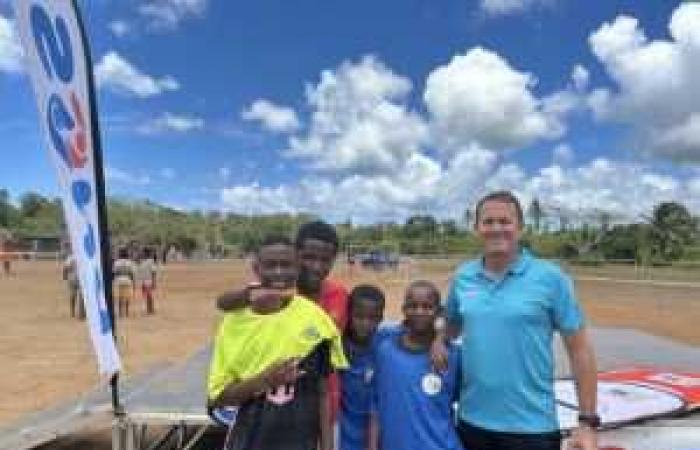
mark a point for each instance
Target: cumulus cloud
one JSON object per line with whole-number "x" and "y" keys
{"x": 168, "y": 14}
{"x": 479, "y": 97}
{"x": 169, "y": 122}
{"x": 656, "y": 88}
{"x": 359, "y": 121}
{"x": 625, "y": 191}
{"x": 10, "y": 50}
{"x": 273, "y": 117}
{"x": 115, "y": 73}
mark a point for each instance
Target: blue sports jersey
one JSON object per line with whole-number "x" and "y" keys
{"x": 356, "y": 391}
{"x": 413, "y": 403}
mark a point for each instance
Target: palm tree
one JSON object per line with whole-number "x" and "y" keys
{"x": 536, "y": 214}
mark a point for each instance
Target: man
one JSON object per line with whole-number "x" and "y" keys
{"x": 508, "y": 304}
{"x": 317, "y": 246}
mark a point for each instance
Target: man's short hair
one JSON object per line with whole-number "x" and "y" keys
{"x": 318, "y": 230}
{"x": 501, "y": 196}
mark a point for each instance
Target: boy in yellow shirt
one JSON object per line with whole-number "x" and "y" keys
{"x": 272, "y": 359}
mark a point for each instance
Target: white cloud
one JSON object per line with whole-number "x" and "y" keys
{"x": 624, "y": 190}
{"x": 119, "y": 75}
{"x": 479, "y": 97}
{"x": 168, "y": 14}
{"x": 169, "y": 122}
{"x": 627, "y": 192}
{"x": 506, "y": 7}
{"x": 116, "y": 175}
{"x": 360, "y": 121}
{"x": 10, "y": 50}
{"x": 273, "y": 117}
{"x": 657, "y": 90}
{"x": 119, "y": 28}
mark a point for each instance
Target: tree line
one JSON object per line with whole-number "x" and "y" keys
{"x": 669, "y": 233}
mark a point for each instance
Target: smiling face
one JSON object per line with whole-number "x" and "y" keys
{"x": 316, "y": 260}
{"x": 277, "y": 266}
{"x": 499, "y": 228}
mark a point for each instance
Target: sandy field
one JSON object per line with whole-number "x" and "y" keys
{"x": 48, "y": 359}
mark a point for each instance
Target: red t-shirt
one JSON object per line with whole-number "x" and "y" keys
{"x": 334, "y": 300}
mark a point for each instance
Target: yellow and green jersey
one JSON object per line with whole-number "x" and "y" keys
{"x": 247, "y": 343}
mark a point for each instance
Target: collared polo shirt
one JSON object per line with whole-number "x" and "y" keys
{"x": 507, "y": 328}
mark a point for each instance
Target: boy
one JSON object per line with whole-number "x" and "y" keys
{"x": 366, "y": 304}
{"x": 317, "y": 246}
{"x": 413, "y": 407}
{"x": 272, "y": 359}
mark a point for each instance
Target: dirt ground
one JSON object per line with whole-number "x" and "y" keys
{"x": 47, "y": 357}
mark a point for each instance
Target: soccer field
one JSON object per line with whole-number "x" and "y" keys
{"x": 48, "y": 357}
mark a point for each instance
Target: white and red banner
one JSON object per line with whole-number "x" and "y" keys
{"x": 58, "y": 63}
{"x": 629, "y": 397}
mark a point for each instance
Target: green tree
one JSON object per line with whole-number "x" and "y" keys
{"x": 672, "y": 229}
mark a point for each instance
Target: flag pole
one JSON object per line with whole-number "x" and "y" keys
{"x": 102, "y": 218}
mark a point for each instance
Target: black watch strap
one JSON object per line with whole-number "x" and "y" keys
{"x": 591, "y": 420}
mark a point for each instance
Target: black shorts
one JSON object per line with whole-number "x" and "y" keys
{"x": 475, "y": 438}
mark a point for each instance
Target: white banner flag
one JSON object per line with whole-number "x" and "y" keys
{"x": 56, "y": 58}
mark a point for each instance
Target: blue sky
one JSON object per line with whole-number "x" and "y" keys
{"x": 378, "y": 110}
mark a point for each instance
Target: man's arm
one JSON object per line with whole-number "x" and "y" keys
{"x": 583, "y": 366}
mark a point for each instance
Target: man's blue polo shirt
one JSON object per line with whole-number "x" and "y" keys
{"x": 507, "y": 329}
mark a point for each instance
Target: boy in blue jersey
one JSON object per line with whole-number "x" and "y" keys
{"x": 366, "y": 309}
{"x": 413, "y": 404}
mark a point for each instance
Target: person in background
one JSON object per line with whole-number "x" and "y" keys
{"x": 147, "y": 271}
{"x": 123, "y": 281}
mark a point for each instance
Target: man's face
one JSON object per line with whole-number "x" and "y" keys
{"x": 499, "y": 227}
{"x": 316, "y": 261}
{"x": 277, "y": 266}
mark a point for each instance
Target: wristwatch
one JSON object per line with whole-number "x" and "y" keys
{"x": 590, "y": 420}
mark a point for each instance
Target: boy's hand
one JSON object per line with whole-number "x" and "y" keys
{"x": 283, "y": 372}
{"x": 259, "y": 294}
{"x": 439, "y": 355}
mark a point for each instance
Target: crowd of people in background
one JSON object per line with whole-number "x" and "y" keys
{"x": 134, "y": 271}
